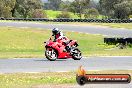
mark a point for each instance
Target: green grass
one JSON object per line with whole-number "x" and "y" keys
{"x": 28, "y": 42}
{"x": 22, "y": 42}
{"x": 27, "y": 80}
{"x": 52, "y": 14}
{"x": 31, "y": 80}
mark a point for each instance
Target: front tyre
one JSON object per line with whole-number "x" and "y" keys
{"x": 77, "y": 55}
{"x": 51, "y": 54}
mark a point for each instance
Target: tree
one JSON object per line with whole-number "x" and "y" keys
{"x": 91, "y": 13}
{"x": 25, "y": 8}
{"x": 54, "y": 4}
{"x": 64, "y": 6}
{"x": 5, "y": 8}
{"x": 123, "y": 10}
{"x": 116, "y": 8}
{"x": 20, "y": 8}
{"x": 107, "y": 6}
{"x": 93, "y": 4}
{"x": 78, "y": 7}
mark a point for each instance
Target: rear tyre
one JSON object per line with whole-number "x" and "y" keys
{"x": 77, "y": 55}
{"x": 51, "y": 54}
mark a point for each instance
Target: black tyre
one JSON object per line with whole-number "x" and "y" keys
{"x": 51, "y": 54}
{"x": 77, "y": 55}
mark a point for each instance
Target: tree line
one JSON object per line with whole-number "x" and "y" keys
{"x": 21, "y": 8}
{"x": 113, "y": 9}
{"x": 116, "y": 8}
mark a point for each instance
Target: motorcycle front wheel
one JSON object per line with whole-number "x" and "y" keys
{"x": 77, "y": 55}
{"x": 51, "y": 54}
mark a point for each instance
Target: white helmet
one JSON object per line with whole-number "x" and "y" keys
{"x": 55, "y": 31}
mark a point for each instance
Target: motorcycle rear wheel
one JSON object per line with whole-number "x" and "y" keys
{"x": 51, "y": 54}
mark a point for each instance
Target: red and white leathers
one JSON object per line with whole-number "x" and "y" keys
{"x": 60, "y": 39}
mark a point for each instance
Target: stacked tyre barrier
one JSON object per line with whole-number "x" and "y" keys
{"x": 121, "y": 42}
{"x": 71, "y": 20}
{"x": 114, "y": 41}
{"x": 26, "y": 19}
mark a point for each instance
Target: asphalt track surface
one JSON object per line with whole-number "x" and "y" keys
{"x": 79, "y": 28}
{"x": 64, "y": 65}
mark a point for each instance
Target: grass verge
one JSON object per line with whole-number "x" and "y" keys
{"x": 30, "y": 80}
{"x": 28, "y": 43}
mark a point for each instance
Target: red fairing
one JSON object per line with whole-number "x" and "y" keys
{"x": 59, "y": 47}
{"x": 62, "y": 48}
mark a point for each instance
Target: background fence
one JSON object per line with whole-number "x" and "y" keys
{"x": 71, "y": 20}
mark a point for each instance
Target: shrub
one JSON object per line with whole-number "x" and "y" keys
{"x": 39, "y": 13}
{"x": 63, "y": 15}
{"x": 91, "y": 13}
{"x": 130, "y": 16}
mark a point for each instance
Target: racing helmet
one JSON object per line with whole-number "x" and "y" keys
{"x": 55, "y": 31}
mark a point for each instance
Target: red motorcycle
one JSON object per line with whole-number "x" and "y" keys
{"x": 55, "y": 50}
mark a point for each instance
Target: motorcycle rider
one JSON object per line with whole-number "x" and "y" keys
{"x": 61, "y": 38}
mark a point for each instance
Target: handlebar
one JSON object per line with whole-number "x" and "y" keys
{"x": 49, "y": 39}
